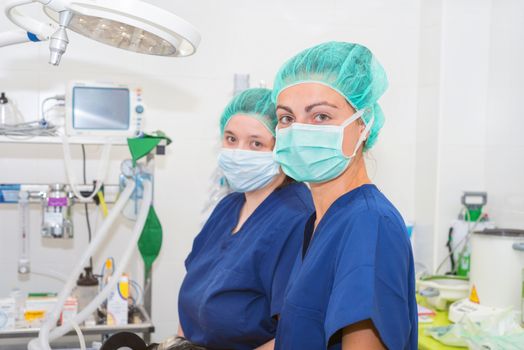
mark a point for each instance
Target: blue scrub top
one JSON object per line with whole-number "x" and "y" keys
{"x": 357, "y": 266}
{"x": 235, "y": 283}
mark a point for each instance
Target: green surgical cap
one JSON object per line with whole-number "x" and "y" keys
{"x": 254, "y": 102}
{"x": 350, "y": 69}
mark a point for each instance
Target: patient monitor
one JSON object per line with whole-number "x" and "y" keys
{"x": 103, "y": 110}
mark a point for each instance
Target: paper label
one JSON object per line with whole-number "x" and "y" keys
{"x": 117, "y": 305}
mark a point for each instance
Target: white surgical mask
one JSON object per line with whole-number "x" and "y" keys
{"x": 247, "y": 171}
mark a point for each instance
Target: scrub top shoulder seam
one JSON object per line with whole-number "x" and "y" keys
{"x": 393, "y": 290}
{"x": 353, "y": 270}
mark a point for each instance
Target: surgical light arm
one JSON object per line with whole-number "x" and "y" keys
{"x": 37, "y": 30}
{"x": 40, "y": 30}
{"x": 16, "y": 37}
{"x": 132, "y": 25}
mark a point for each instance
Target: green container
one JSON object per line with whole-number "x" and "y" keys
{"x": 464, "y": 263}
{"x": 474, "y": 214}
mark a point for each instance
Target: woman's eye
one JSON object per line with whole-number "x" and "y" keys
{"x": 257, "y": 144}
{"x": 320, "y": 118}
{"x": 230, "y": 139}
{"x": 285, "y": 119}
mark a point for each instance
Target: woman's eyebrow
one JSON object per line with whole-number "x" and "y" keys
{"x": 323, "y": 103}
{"x": 287, "y": 109}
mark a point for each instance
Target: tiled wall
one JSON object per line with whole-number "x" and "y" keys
{"x": 504, "y": 173}
{"x": 462, "y": 111}
{"x": 469, "y": 123}
{"x": 427, "y": 126}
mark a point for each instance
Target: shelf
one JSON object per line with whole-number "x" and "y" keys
{"x": 86, "y": 140}
{"x": 111, "y": 192}
{"x": 145, "y": 327}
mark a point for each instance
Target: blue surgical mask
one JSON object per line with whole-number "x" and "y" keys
{"x": 247, "y": 171}
{"x": 313, "y": 153}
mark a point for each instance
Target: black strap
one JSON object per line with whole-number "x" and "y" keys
{"x": 308, "y": 234}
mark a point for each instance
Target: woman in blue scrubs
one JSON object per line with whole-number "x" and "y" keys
{"x": 353, "y": 285}
{"x": 240, "y": 263}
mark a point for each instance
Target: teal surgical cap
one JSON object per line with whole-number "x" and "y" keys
{"x": 254, "y": 102}
{"x": 350, "y": 69}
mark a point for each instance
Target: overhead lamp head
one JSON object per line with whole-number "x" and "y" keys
{"x": 128, "y": 24}
{"x": 59, "y": 40}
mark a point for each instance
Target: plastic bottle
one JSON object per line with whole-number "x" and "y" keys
{"x": 86, "y": 290}
{"x": 464, "y": 263}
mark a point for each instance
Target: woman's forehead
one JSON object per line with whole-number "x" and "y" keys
{"x": 309, "y": 92}
{"x": 245, "y": 124}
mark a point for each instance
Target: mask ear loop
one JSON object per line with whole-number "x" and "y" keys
{"x": 354, "y": 117}
{"x": 363, "y": 136}
{"x": 358, "y": 114}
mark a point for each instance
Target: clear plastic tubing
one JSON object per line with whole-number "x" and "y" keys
{"x": 47, "y": 333}
{"x": 23, "y": 212}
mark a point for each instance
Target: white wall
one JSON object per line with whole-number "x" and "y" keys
{"x": 185, "y": 97}
{"x": 504, "y": 173}
{"x": 427, "y": 124}
{"x": 469, "y": 127}
{"x": 453, "y": 115}
{"x": 462, "y": 110}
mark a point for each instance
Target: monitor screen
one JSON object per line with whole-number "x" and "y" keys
{"x": 100, "y": 108}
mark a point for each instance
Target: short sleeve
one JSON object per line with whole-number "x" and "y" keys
{"x": 371, "y": 281}
{"x": 280, "y": 258}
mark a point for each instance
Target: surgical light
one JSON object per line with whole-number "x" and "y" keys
{"x": 131, "y": 25}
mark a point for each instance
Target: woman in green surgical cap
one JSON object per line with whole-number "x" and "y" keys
{"x": 353, "y": 286}
{"x": 240, "y": 263}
